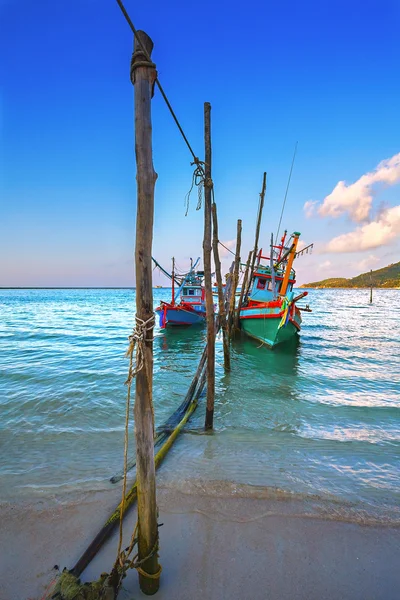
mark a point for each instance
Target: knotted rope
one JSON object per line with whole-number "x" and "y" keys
{"x": 68, "y": 586}
{"x": 199, "y": 180}
{"x": 137, "y": 340}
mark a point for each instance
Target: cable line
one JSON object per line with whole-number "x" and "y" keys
{"x": 196, "y": 160}
{"x": 286, "y": 193}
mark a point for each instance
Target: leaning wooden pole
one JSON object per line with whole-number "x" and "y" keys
{"x": 221, "y": 299}
{"x": 242, "y": 291}
{"x": 235, "y": 279}
{"x": 208, "y": 184}
{"x": 143, "y": 76}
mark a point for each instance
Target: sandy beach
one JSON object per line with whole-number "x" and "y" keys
{"x": 216, "y": 543}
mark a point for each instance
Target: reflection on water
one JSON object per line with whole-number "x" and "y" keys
{"x": 316, "y": 416}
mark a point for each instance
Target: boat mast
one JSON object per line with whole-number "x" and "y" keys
{"x": 173, "y": 281}
{"x": 257, "y": 235}
{"x": 271, "y": 262}
{"x": 290, "y": 259}
{"x": 282, "y": 245}
{"x": 187, "y": 278}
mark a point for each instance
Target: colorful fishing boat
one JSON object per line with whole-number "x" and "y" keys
{"x": 269, "y": 313}
{"x": 187, "y": 305}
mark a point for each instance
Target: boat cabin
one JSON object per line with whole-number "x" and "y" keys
{"x": 262, "y": 291}
{"x": 193, "y": 292}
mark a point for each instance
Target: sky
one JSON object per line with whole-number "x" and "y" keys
{"x": 322, "y": 74}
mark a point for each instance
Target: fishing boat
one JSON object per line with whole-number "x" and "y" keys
{"x": 270, "y": 313}
{"x": 187, "y": 305}
{"x": 215, "y": 291}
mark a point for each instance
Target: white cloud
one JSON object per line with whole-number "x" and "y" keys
{"x": 325, "y": 265}
{"x": 300, "y": 245}
{"x": 356, "y": 198}
{"x": 367, "y": 263}
{"x": 309, "y": 208}
{"x": 371, "y": 235}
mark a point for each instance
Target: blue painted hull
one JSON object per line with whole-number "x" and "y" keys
{"x": 178, "y": 316}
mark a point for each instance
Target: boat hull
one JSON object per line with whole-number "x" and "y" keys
{"x": 265, "y": 327}
{"x": 177, "y": 316}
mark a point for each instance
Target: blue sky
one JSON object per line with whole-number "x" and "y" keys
{"x": 322, "y": 74}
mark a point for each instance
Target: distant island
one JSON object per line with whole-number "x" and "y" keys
{"x": 388, "y": 277}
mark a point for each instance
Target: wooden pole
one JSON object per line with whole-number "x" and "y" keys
{"x": 207, "y": 270}
{"x": 143, "y": 76}
{"x": 258, "y": 225}
{"x": 221, "y": 300}
{"x": 235, "y": 279}
{"x": 242, "y": 291}
{"x": 370, "y": 294}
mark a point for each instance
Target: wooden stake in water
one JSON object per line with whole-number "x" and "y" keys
{"x": 370, "y": 295}
{"x": 221, "y": 299}
{"x": 235, "y": 279}
{"x": 207, "y": 270}
{"x": 143, "y": 76}
{"x": 243, "y": 290}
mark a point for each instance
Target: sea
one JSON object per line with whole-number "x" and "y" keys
{"x": 317, "y": 419}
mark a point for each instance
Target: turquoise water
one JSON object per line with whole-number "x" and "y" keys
{"x": 320, "y": 417}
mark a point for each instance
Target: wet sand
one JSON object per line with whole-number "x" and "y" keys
{"x": 225, "y": 544}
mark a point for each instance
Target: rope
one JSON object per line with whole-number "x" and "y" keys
{"x": 198, "y": 175}
{"x": 137, "y": 340}
{"x": 226, "y": 248}
{"x": 131, "y": 25}
{"x": 198, "y": 180}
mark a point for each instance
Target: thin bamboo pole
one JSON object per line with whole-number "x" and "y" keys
{"x": 242, "y": 291}
{"x": 143, "y": 76}
{"x": 221, "y": 300}
{"x": 235, "y": 278}
{"x": 207, "y": 271}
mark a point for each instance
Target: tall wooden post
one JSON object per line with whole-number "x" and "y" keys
{"x": 235, "y": 279}
{"x": 221, "y": 300}
{"x": 143, "y": 76}
{"x": 207, "y": 270}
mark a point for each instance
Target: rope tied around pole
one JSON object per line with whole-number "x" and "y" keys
{"x": 137, "y": 340}
{"x": 199, "y": 179}
{"x": 123, "y": 563}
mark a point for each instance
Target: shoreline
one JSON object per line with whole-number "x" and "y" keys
{"x": 218, "y": 542}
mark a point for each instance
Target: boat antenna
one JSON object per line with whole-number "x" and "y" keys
{"x": 286, "y": 193}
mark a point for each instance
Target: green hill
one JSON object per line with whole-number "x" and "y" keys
{"x": 388, "y": 277}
